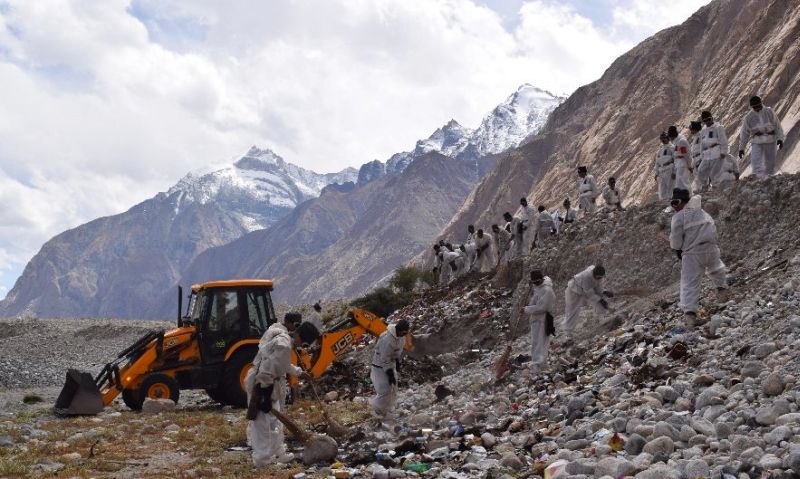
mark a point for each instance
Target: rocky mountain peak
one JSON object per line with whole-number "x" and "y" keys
{"x": 256, "y": 159}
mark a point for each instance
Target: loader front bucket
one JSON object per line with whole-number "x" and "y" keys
{"x": 79, "y": 396}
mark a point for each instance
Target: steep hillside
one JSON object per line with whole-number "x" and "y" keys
{"x": 113, "y": 266}
{"x": 715, "y": 60}
{"x": 342, "y": 243}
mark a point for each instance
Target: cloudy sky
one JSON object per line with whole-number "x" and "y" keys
{"x": 106, "y": 102}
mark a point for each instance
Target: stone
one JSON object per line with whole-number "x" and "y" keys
{"x": 751, "y": 369}
{"x": 581, "y": 466}
{"x": 770, "y": 461}
{"x": 710, "y": 395}
{"x": 511, "y": 461}
{"x": 766, "y": 416}
{"x": 765, "y": 349}
{"x": 172, "y": 429}
{"x": 659, "y": 447}
{"x": 791, "y": 418}
{"x": 634, "y": 444}
{"x": 696, "y": 469}
{"x": 668, "y": 393}
{"x": 751, "y": 455}
{"x": 155, "y": 406}
{"x": 331, "y": 396}
{"x": 703, "y": 426}
{"x": 575, "y": 404}
{"x": 683, "y": 404}
{"x": 792, "y": 461}
{"x": 614, "y": 467}
{"x": 658, "y": 471}
{"x": 780, "y": 433}
{"x": 642, "y": 461}
{"x": 772, "y": 385}
{"x": 723, "y": 429}
{"x": 665, "y": 429}
{"x": 6, "y": 441}
{"x": 488, "y": 440}
{"x": 320, "y": 449}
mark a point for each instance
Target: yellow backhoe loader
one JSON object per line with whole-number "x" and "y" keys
{"x": 212, "y": 348}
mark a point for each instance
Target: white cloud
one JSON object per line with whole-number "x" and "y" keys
{"x": 107, "y": 102}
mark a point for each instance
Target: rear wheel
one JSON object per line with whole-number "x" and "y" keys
{"x": 235, "y": 371}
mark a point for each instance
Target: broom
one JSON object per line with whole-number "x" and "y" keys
{"x": 336, "y": 429}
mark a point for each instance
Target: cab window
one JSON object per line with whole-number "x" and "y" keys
{"x": 258, "y": 312}
{"x": 224, "y": 314}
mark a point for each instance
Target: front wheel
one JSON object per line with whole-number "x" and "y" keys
{"x": 158, "y": 386}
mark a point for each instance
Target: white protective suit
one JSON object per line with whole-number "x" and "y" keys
{"x": 664, "y": 171}
{"x": 461, "y": 264}
{"x": 728, "y": 172}
{"x": 272, "y": 363}
{"x": 763, "y": 130}
{"x": 502, "y": 244}
{"x": 437, "y": 265}
{"x": 469, "y": 245}
{"x": 582, "y": 289}
{"x": 542, "y": 301}
{"x": 682, "y": 156}
{"x": 570, "y": 216}
{"x": 485, "y": 256}
{"x": 544, "y": 227}
{"x": 530, "y": 215}
{"x": 694, "y": 232}
{"x": 448, "y": 272}
{"x": 519, "y": 228}
{"x": 696, "y": 154}
{"x": 388, "y": 350}
{"x": 587, "y": 194}
{"x": 715, "y": 146}
{"x": 613, "y": 198}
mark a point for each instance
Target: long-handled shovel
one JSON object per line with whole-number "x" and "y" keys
{"x": 336, "y": 429}
{"x": 501, "y": 365}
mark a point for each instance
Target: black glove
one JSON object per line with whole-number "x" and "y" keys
{"x": 604, "y": 303}
{"x": 737, "y": 176}
{"x": 610, "y": 294}
{"x": 741, "y": 154}
{"x": 390, "y": 375}
{"x": 549, "y": 324}
{"x": 678, "y": 253}
{"x": 780, "y": 144}
{"x": 265, "y": 398}
{"x": 397, "y": 365}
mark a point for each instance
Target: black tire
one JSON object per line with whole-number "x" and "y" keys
{"x": 217, "y": 394}
{"x": 232, "y": 382}
{"x": 159, "y": 386}
{"x": 132, "y": 399}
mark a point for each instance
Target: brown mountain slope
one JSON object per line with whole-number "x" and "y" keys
{"x": 715, "y": 60}
{"x": 344, "y": 242}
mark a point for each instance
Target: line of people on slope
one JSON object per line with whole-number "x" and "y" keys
{"x": 702, "y": 160}
{"x": 519, "y": 234}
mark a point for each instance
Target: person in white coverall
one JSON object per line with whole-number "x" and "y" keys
{"x": 540, "y": 306}
{"x": 682, "y": 157}
{"x": 460, "y": 262}
{"x": 530, "y": 215}
{"x": 437, "y": 262}
{"x": 517, "y": 225}
{"x": 384, "y": 368}
{"x": 612, "y": 195}
{"x": 587, "y": 191}
{"x": 450, "y": 259}
{"x": 693, "y": 237}
{"x": 585, "y": 288}
{"x": 544, "y": 227}
{"x": 469, "y": 246}
{"x": 272, "y": 363}
{"x": 502, "y": 244}
{"x": 714, "y": 141}
{"x": 762, "y": 128}
{"x": 484, "y": 255}
{"x": 664, "y": 170}
{"x": 696, "y": 156}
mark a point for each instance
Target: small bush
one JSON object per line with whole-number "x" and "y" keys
{"x": 32, "y": 399}
{"x": 383, "y": 301}
{"x": 405, "y": 278}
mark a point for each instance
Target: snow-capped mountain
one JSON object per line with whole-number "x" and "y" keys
{"x": 522, "y": 115}
{"x": 256, "y": 187}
